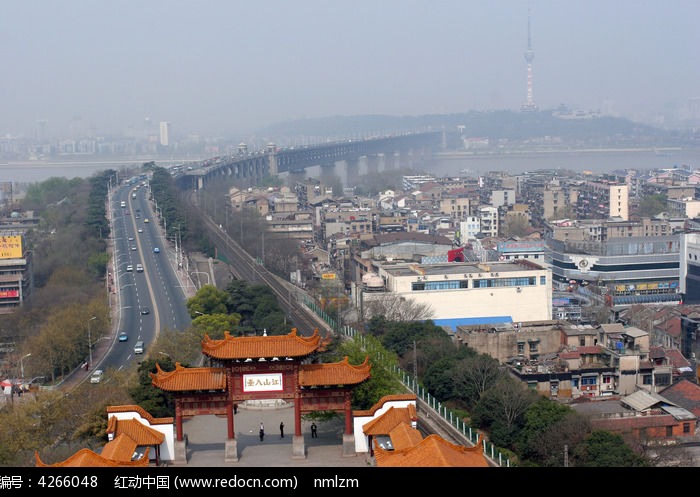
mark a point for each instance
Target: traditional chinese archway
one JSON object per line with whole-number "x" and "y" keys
{"x": 257, "y": 368}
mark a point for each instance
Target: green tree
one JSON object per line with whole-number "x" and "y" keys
{"x": 214, "y": 325}
{"x": 208, "y": 300}
{"x": 438, "y": 378}
{"x": 541, "y": 419}
{"x": 651, "y": 205}
{"x": 381, "y": 382}
{"x": 257, "y": 307}
{"x": 602, "y": 449}
{"x": 158, "y": 403}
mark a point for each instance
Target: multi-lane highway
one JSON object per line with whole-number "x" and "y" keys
{"x": 148, "y": 294}
{"x": 149, "y": 297}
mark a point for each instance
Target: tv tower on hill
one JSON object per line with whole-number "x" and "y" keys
{"x": 529, "y": 104}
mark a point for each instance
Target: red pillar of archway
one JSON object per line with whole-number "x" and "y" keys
{"x": 348, "y": 413}
{"x": 178, "y": 422}
{"x": 229, "y": 420}
{"x": 297, "y": 415}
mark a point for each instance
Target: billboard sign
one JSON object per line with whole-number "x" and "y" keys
{"x": 10, "y": 247}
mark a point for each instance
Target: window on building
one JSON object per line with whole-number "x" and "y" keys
{"x": 663, "y": 379}
{"x": 647, "y": 379}
{"x": 534, "y": 347}
{"x": 521, "y": 348}
{"x": 581, "y": 341}
{"x": 686, "y": 427}
{"x": 607, "y": 380}
{"x": 669, "y": 431}
{"x": 588, "y": 381}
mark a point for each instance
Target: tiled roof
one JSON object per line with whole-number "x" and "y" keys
{"x": 337, "y": 373}
{"x": 310, "y": 375}
{"x": 142, "y": 412}
{"x": 290, "y": 345}
{"x": 676, "y": 358}
{"x": 627, "y": 424}
{"x": 137, "y": 431}
{"x": 387, "y": 398}
{"x": 404, "y": 436}
{"x": 685, "y": 394}
{"x": 121, "y": 448}
{"x": 85, "y": 458}
{"x": 188, "y": 379}
{"x": 382, "y": 425}
{"x": 431, "y": 452}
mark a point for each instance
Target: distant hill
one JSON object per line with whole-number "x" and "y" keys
{"x": 494, "y": 125}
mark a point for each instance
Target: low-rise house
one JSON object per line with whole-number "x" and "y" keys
{"x": 643, "y": 416}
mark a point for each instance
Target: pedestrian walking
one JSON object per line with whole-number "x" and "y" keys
{"x": 313, "y": 431}
{"x": 281, "y": 429}
{"x": 262, "y": 432}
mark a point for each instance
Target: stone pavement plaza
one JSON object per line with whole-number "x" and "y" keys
{"x": 206, "y": 436}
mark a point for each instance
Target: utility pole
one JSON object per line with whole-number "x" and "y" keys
{"x": 415, "y": 363}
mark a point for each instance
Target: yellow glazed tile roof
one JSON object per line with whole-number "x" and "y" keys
{"x": 183, "y": 379}
{"x": 241, "y": 348}
{"x": 336, "y": 373}
{"x": 432, "y": 452}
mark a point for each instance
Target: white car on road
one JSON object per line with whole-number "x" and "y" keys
{"x": 96, "y": 376}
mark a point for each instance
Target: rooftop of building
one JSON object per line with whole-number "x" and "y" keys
{"x": 465, "y": 269}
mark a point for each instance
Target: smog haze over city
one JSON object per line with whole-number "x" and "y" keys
{"x": 219, "y": 68}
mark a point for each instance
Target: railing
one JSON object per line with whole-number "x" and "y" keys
{"x": 455, "y": 422}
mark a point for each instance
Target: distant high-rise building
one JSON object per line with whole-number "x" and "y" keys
{"x": 42, "y": 132}
{"x": 164, "y": 130}
{"x": 529, "y": 104}
{"x": 619, "y": 201}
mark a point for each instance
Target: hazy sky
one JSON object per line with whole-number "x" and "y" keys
{"x": 217, "y": 67}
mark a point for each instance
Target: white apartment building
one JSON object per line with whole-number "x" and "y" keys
{"x": 472, "y": 293}
{"x": 164, "y": 133}
{"x": 489, "y": 220}
{"x": 469, "y": 228}
{"x": 619, "y": 201}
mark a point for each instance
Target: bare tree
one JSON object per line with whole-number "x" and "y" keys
{"x": 477, "y": 374}
{"x": 394, "y": 307}
{"x": 511, "y": 399}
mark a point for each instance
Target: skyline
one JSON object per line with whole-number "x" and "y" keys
{"x": 222, "y": 68}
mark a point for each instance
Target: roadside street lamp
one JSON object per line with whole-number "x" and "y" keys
{"x": 21, "y": 364}
{"x": 90, "y": 337}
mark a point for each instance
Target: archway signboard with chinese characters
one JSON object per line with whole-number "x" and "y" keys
{"x": 262, "y": 368}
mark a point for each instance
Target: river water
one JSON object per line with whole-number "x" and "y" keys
{"x": 596, "y": 162}
{"x": 442, "y": 165}
{"x": 25, "y": 172}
